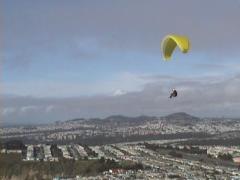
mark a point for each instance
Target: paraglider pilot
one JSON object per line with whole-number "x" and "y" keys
{"x": 173, "y": 94}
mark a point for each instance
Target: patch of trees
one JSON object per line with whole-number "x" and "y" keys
{"x": 12, "y": 165}
{"x": 38, "y": 153}
{"x": 174, "y": 176}
{"x": 107, "y": 164}
{"x": 225, "y": 157}
{"x": 194, "y": 150}
{"x": 153, "y": 147}
{"x": 89, "y": 151}
{"x": 175, "y": 154}
{"x": 14, "y": 145}
{"x": 56, "y": 152}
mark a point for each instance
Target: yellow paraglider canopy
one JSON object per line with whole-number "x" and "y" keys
{"x": 170, "y": 42}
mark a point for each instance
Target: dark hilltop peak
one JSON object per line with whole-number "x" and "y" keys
{"x": 71, "y": 121}
{"x": 180, "y": 115}
{"x": 116, "y": 117}
{"x": 75, "y": 120}
{"x": 182, "y": 118}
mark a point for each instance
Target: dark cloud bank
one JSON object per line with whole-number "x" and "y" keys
{"x": 205, "y": 96}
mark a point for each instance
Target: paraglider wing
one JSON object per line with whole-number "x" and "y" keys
{"x": 170, "y": 42}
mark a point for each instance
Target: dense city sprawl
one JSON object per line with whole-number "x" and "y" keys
{"x": 155, "y": 159}
{"x": 120, "y": 129}
{"x": 176, "y": 146}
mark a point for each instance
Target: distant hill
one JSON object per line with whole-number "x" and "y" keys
{"x": 182, "y": 118}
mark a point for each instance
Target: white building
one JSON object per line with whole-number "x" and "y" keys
{"x": 47, "y": 153}
{"x": 30, "y": 155}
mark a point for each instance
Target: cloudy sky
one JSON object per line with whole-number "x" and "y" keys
{"x": 66, "y": 59}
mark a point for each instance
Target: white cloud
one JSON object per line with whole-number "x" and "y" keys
{"x": 119, "y": 92}
{"x": 50, "y": 108}
{"x": 8, "y": 110}
{"x": 24, "y": 109}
